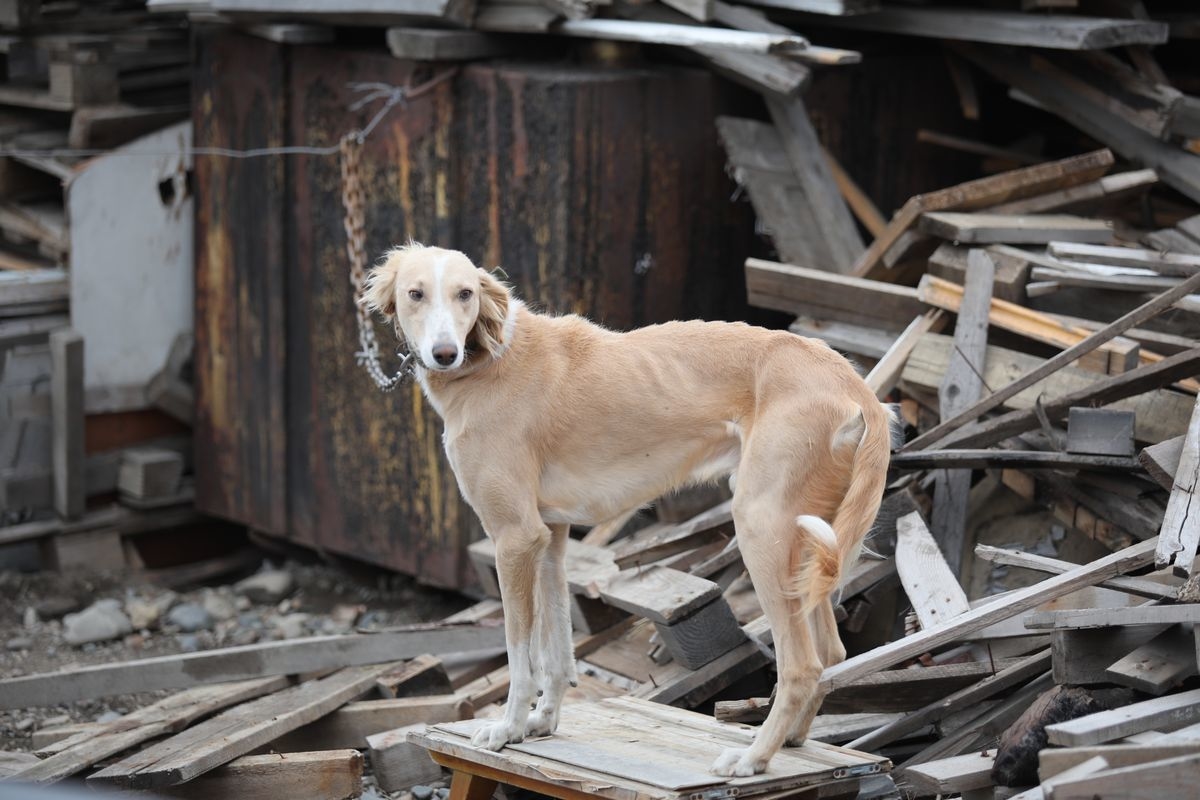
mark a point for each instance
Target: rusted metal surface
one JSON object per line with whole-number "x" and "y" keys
{"x": 240, "y": 271}
{"x": 598, "y": 190}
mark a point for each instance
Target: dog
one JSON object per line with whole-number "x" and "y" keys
{"x": 552, "y": 421}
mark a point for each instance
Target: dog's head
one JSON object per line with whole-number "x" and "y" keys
{"x": 444, "y": 306}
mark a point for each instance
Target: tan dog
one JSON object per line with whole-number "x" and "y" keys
{"x": 553, "y": 421}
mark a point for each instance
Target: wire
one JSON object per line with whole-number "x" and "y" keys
{"x": 370, "y": 92}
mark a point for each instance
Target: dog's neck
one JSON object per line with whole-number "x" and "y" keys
{"x": 478, "y": 360}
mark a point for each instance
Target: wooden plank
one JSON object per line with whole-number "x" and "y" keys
{"x": 325, "y": 775}
{"x": 1054, "y": 761}
{"x": 1016, "y": 558}
{"x": 883, "y": 376}
{"x": 1161, "y": 713}
{"x": 910, "y": 689}
{"x": 362, "y": 12}
{"x": 666, "y": 541}
{"x": 237, "y": 663}
{"x": 1115, "y": 617}
{"x": 171, "y": 714}
{"x": 681, "y": 35}
{"x": 1109, "y": 332}
{"x": 949, "y": 261}
{"x": 397, "y": 764}
{"x": 1100, "y": 431}
{"x": 1177, "y": 264}
{"x": 433, "y": 44}
{"x": 991, "y": 228}
{"x": 1012, "y": 604}
{"x": 658, "y": 593}
{"x": 1160, "y": 414}
{"x": 1023, "y": 670}
{"x": 1160, "y": 664}
{"x": 961, "y": 385}
{"x": 237, "y": 731}
{"x": 863, "y": 207}
{"x": 927, "y": 578}
{"x": 839, "y": 235}
{"x": 1005, "y": 27}
{"x": 1057, "y": 92}
{"x": 1162, "y": 460}
{"x": 1082, "y": 657}
{"x": 1111, "y": 357}
{"x": 422, "y": 676}
{"x": 955, "y": 774}
{"x": 1008, "y": 459}
{"x": 985, "y": 192}
{"x": 350, "y": 725}
{"x": 678, "y": 685}
{"x": 66, "y": 398}
{"x": 1180, "y": 532}
{"x": 1084, "y": 195}
{"x": 800, "y": 290}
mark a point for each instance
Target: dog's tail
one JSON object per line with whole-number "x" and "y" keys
{"x": 827, "y": 549}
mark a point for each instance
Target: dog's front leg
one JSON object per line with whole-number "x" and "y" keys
{"x": 520, "y": 550}
{"x": 554, "y": 652}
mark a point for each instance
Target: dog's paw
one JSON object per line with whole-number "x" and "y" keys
{"x": 542, "y": 722}
{"x": 737, "y": 762}
{"x": 796, "y": 741}
{"x": 494, "y": 735}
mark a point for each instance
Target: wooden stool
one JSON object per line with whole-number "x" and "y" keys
{"x": 623, "y": 748}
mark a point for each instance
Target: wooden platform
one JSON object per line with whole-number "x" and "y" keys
{"x": 623, "y": 748}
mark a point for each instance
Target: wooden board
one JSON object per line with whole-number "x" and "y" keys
{"x": 955, "y": 774}
{"x": 988, "y": 228}
{"x": 1161, "y": 460}
{"x": 67, "y": 445}
{"x": 1177, "y": 264}
{"x": 234, "y": 663}
{"x": 1180, "y": 532}
{"x": 1174, "y": 710}
{"x": 1009, "y": 459}
{"x": 323, "y": 775}
{"x": 1158, "y": 665}
{"x": 237, "y": 731}
{"x": 1011, "y": 604}
{"x": 928, "y": 580}
{"x": 350, "y": 725}
{"x": 1100, "y": 431}
{"x": 800, "y": 290}
{"x": 650, "y": 745}
{"x": 1115, "y": 617}
{"x": 1016, "y": 558}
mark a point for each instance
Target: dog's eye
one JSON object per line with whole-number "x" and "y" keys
{"x": 415, "y": 294}
{"x": 465, "y": 295}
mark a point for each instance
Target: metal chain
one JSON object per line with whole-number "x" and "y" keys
{"x": 353, "y": 200}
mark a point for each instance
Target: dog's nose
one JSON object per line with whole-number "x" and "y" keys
{"x": 445, "y": 354}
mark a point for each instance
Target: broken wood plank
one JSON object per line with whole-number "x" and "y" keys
{"x": 1016, "y": 558}
{"x": 1008, "y": 459}
{"x": 1100, "y": 432}
{"x": 1084, "y": 195}
{"x": 1050, "y": 31}
{"x": 1010, "y": 605}
{"x": 925, "y": 573}
{"x": 237, "y": 731}
{"x": 1160, "y": 664}
{"x": 1082, "y": 657}
{"x": 422, "y": 676}
{"x": 824, "y": 295}
{"x": 169, "y": 715}
{"x": 984, "y": 192}
{"x": 666, "y": 541}
{"x": 991, "y": 228}
{"x": 910, "y": 689}
{"x": 1161, "y": 460}
{"x": 398, "y": 764}
{"x": 238, "y": 663}
{"x": 1023, "y": 670}
{"x": 67, "y": 445}
{"x": 351, "y": 724}
{"x": 324, "y": 775}
{"x": 883, "y": 376}
{"x": 1172, "y": 711}
{"x": 1176, "y": 264}
{"x": 1109, "y": 332}
{"x": 1115, "y": 617}
{"x": 433, "y": 44}
{"x": 961, "y": 385}
{"x": 949, "y": 262}
{"x": 956, "y": 774}
{"x": 1180, "y": 532}
{"x": 661, "y": 33}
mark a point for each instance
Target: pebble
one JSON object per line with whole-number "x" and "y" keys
{"x": 220, "y": 606}
{"x": 291, "y": 626}
{"x": 25, "y": 724}
{"x": 188, "y": 642}
{"x": 142, "y": 613}
{"x": 190, "y": 617}
{"x": 54, "y": 722}
{"x": 443, "y": 793}
{"x": 420, "y": 792}
{"x": 109, "y": 716}
{"x": 101, "y": 621}
{"x": 30, "y": 620}
{"x": 19, "y": 643}
{"x": 56, "y": 606}
{"x": 268, "y": 586}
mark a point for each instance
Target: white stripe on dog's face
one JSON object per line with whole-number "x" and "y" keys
{"x": 437, "y": 302}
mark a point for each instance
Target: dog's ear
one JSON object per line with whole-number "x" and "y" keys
{"x": 379, "y": 294}
{"x": 494, "y": 298}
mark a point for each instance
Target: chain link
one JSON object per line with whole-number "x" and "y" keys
{"x": 354, "y": 202}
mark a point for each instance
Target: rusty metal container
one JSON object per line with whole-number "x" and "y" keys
{"x": 600, "y": 190}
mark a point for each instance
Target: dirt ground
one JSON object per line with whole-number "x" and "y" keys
{"x": 323, "y": 599}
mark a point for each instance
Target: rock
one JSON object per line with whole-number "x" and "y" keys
{"x": 142, "y": 613}
{"x": 291, "y": 626}
{"x": 189, "y": 642}
{"x": 190, "y": 617}
{"x": 442, "y": 793}
{"x": 268, "y": 586}
{"x": 421, "y": 792}
{"x": 243, "y": 636}
{"x": 25, "y": 724}
{"x": 30, "y": 620}
{"x": 109, "y": 716}
{"x": 54, "y": 722}
{"x": 220, "y": 606}
{"x": 19, "y": 643}
{"x": 57, "y": 606}
{"x": 99, "y": 622}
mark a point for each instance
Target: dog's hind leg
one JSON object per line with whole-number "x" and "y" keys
{"x": 554, "y": 654}
{"x": 823, "y": 624}
{"x": 520, "y": 550}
